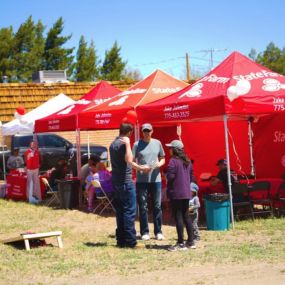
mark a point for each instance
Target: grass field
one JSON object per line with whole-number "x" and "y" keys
{"x": 89, "y": 255}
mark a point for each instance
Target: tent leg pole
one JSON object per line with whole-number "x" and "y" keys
{"x": 252, "y": 168}
{"x": 78, "y": 164}
{"x": 137, "y": 131}
{"x": 229, "y": 169}
{"x": 88, "y": 144}
{"x": 3, "y": 157}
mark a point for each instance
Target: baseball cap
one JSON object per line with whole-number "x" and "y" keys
{"x": 222, "y": 161}
{"x": 147, "y": 127}
{"x": 176, "y": 143}
{"x": 194, "y": 187}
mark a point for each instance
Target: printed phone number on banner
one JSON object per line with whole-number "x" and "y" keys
{"x": 177, "y": 115}
{"x": 278, "y": 104}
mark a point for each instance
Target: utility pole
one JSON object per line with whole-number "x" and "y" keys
{"x": 188, "y": 77}
{"x": 211, "y": 51}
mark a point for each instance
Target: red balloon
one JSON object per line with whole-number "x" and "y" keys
{"x": 20, "y": 110}
{"x": 132, "y": 116}
{"x": 125, "y": 120}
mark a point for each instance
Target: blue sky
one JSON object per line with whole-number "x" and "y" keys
{"x": 157, "y": 34}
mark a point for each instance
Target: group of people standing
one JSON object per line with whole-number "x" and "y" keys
{"x": 147, "y": 157}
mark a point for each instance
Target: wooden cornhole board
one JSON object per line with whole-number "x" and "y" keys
{"x": 29, "y": 236}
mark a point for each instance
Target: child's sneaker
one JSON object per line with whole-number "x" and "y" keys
{"x": 89, "y": 210}
{"x": 178, "y": 246}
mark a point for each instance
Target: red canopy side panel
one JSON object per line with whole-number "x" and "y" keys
{"x": 204, "y": 142}
{"x": 269, "y": 146}
{"x": 53, "y": 123}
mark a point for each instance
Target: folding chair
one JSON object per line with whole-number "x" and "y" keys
{"x": 51, "y": 195}
{"x": 281, "y": 198}
{"x": 241, "y": 201}
{"x": 104, "y": 201}
{"x": 259, "y": 193}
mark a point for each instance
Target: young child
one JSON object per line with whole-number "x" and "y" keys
{"x": 105, "y": 178}
{"x": 194, "y": 205}
{"x": 89, "y": 187}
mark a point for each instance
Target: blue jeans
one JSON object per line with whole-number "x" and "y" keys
{"x": 125, "y": 205}
{"x": 143, "y": 189}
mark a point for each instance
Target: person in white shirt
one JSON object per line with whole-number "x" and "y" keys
{"x": 15, "y": 160}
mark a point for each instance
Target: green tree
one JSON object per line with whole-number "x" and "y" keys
{"x": 252, "y": 54}
{"x": 113, "y": 65}
{"x": 273, "y": 58}
{"x": 6, "y": 53}
{"x": 56, "y": 57}
{"x": 86, "y": 66}
{"x": 131, "y": 75}
{"x": 28, "y": 49}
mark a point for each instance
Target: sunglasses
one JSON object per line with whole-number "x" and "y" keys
{"x": 146, "y": 131}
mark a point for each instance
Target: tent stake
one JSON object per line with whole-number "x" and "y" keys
{"x": 229, "y": 169}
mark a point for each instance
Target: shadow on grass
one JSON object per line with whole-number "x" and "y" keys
{"x": 95, "y": 244}
{"x": 36, "y": 243}
{"x": 156, "y": 246}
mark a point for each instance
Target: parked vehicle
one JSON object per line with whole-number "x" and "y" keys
{"x": 53, "y": 148}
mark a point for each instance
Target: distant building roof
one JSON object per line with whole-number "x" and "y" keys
{"x": 31, "y": 95}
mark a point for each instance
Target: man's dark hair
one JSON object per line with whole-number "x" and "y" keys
{"x": 125, "y": 128}
{"x": 94, "y": 158}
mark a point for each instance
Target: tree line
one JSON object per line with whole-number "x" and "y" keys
{"x": 30, "y": 49}
{"x": 272, "y": 57}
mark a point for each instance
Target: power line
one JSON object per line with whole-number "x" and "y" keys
{"x": 211, "y": 51}
{"x": 173, "y": 59}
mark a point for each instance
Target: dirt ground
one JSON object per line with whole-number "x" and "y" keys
{"x": 258, "y": 273}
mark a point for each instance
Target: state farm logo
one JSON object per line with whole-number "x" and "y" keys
{"x": 279, "y": 137}
{"x": 283, "y": 160}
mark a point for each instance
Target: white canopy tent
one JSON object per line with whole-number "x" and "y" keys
{"x": 25, "y": 125}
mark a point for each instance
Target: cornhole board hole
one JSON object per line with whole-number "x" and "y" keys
{"x": 26, "y": 237}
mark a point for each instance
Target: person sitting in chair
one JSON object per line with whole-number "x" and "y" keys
{"x": 90, "y": 185}
{"x": 15, "y": 160}
{"x": 105, "y": 178}
{"x": 222, "y": 175}
{"x": 58, "y": 173}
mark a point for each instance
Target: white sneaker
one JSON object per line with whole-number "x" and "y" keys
{"x": 160, "y": 236}
{"x": 145, "y": 237}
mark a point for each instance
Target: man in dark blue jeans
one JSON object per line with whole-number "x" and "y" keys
{"x": 125, "y": 195}
{"x": 149, "y": 151}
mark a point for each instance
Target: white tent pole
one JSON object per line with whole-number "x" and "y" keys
{"x": 88, "y": 144}
{"x": 252, "y": 168}
{"x": 137, "y": 131}
{"x": 78, "y": 153}
{"x": 78, "y": 163}
{"x": 179, "y": 131}
{"x": 229, "y": 168}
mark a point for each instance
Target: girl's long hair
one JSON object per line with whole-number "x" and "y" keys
{"x": 180, "y": 154}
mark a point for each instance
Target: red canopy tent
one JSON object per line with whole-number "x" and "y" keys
{"x": 238, "y": 87}
{"x": 109, "y": 115}
{"x": 67, "y": 118}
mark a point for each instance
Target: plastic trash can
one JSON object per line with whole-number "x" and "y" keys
{"x": 217, "y": 211}
{"x": 69, "y": 193}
